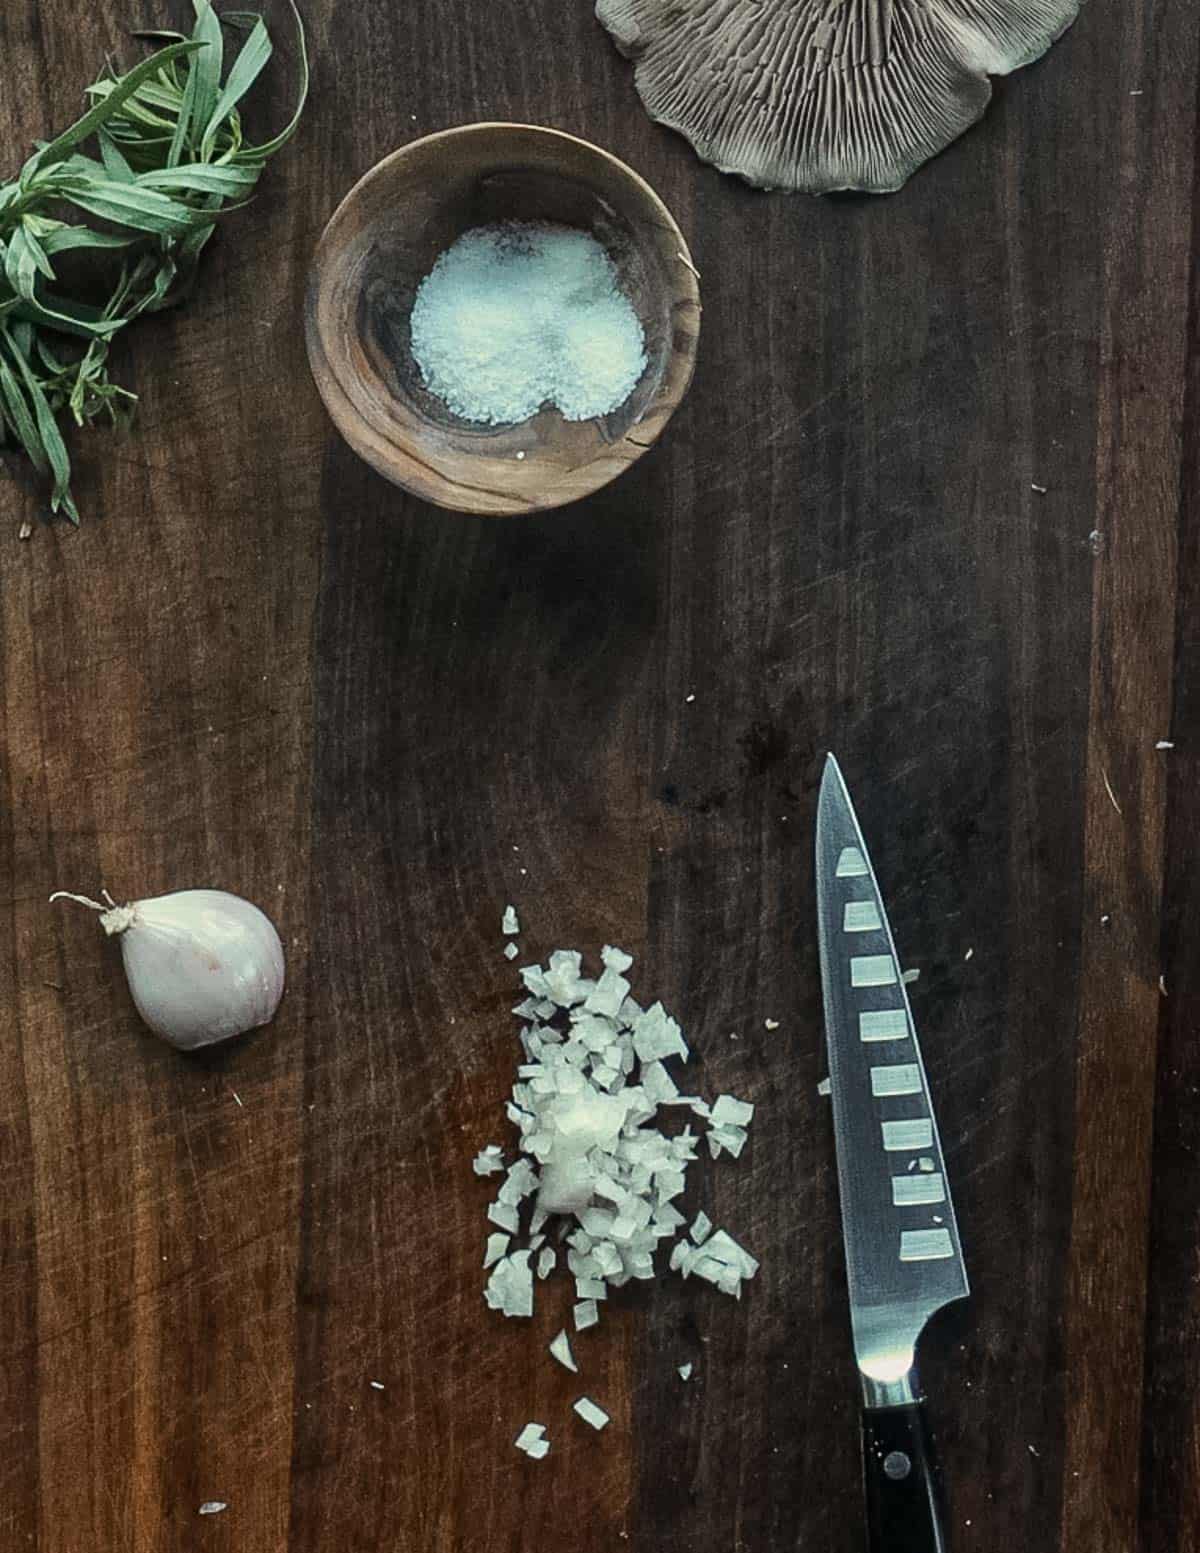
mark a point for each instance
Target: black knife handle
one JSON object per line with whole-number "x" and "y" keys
{"x": 903, "y": 1484}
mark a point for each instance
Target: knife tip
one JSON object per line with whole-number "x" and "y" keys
{"x": 834, "y": 794}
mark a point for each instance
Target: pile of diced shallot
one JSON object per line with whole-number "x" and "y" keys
{"x": 594, "y": 1163}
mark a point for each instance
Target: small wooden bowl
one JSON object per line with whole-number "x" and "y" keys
{"x": 383, "y": 240}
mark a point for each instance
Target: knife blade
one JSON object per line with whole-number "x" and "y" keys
{"x": 904, "y": 1259}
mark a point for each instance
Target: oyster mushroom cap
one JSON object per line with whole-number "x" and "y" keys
{"x": 820, "y": 95}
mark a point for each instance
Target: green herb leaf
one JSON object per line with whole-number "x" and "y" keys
{"x": 66, "y": 316}
{"x": 24, "y": 260}
{"x": 154, "y": 106}
{"x": 56, "y": 149}
{"x": 48, "y": 358}
{"x": 28, "y": 231}
{"x": 68, "y": 237}
{"x": 143, "y": 210}
{"x": 246, "y": 69}
{"x": 17, "y": 414}
{"x": 183, "y": 121}
{"x": 51, "y": 439}
{"x": 203, "y": 178}
{"x": 117, "y": 168}
{"x": 20, "y": 271}
{"x": 205, "y": 68}
{"x": 73, "y": 167}
{"x": 164, "y": 279}
{"x": 40, "y": 226}
{"x": 269, "y": 147}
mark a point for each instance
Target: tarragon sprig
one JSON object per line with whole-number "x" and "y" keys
{"x": 168, "y": 157}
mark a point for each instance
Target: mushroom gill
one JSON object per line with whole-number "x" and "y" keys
{"x": 818, "y": 95}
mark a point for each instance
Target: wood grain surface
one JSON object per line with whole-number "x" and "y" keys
{"x": 933, "y": 501}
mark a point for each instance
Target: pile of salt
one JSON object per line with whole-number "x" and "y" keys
{"x": 515, "y": 317}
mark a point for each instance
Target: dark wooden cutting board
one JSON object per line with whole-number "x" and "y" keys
{"x": 932, "y": 502}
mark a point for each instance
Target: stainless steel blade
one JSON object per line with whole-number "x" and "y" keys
{"x": 903, "y": 1255}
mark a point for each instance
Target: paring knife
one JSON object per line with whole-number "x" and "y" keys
{"x": 903, "y": 1256}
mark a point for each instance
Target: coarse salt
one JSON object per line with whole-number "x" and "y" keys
{"x": 518, "y": 316}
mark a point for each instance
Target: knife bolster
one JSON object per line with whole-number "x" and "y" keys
{"x": 902, "y": 1392}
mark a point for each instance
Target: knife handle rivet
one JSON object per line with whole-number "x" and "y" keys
{"x": 896, "y": 1466}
